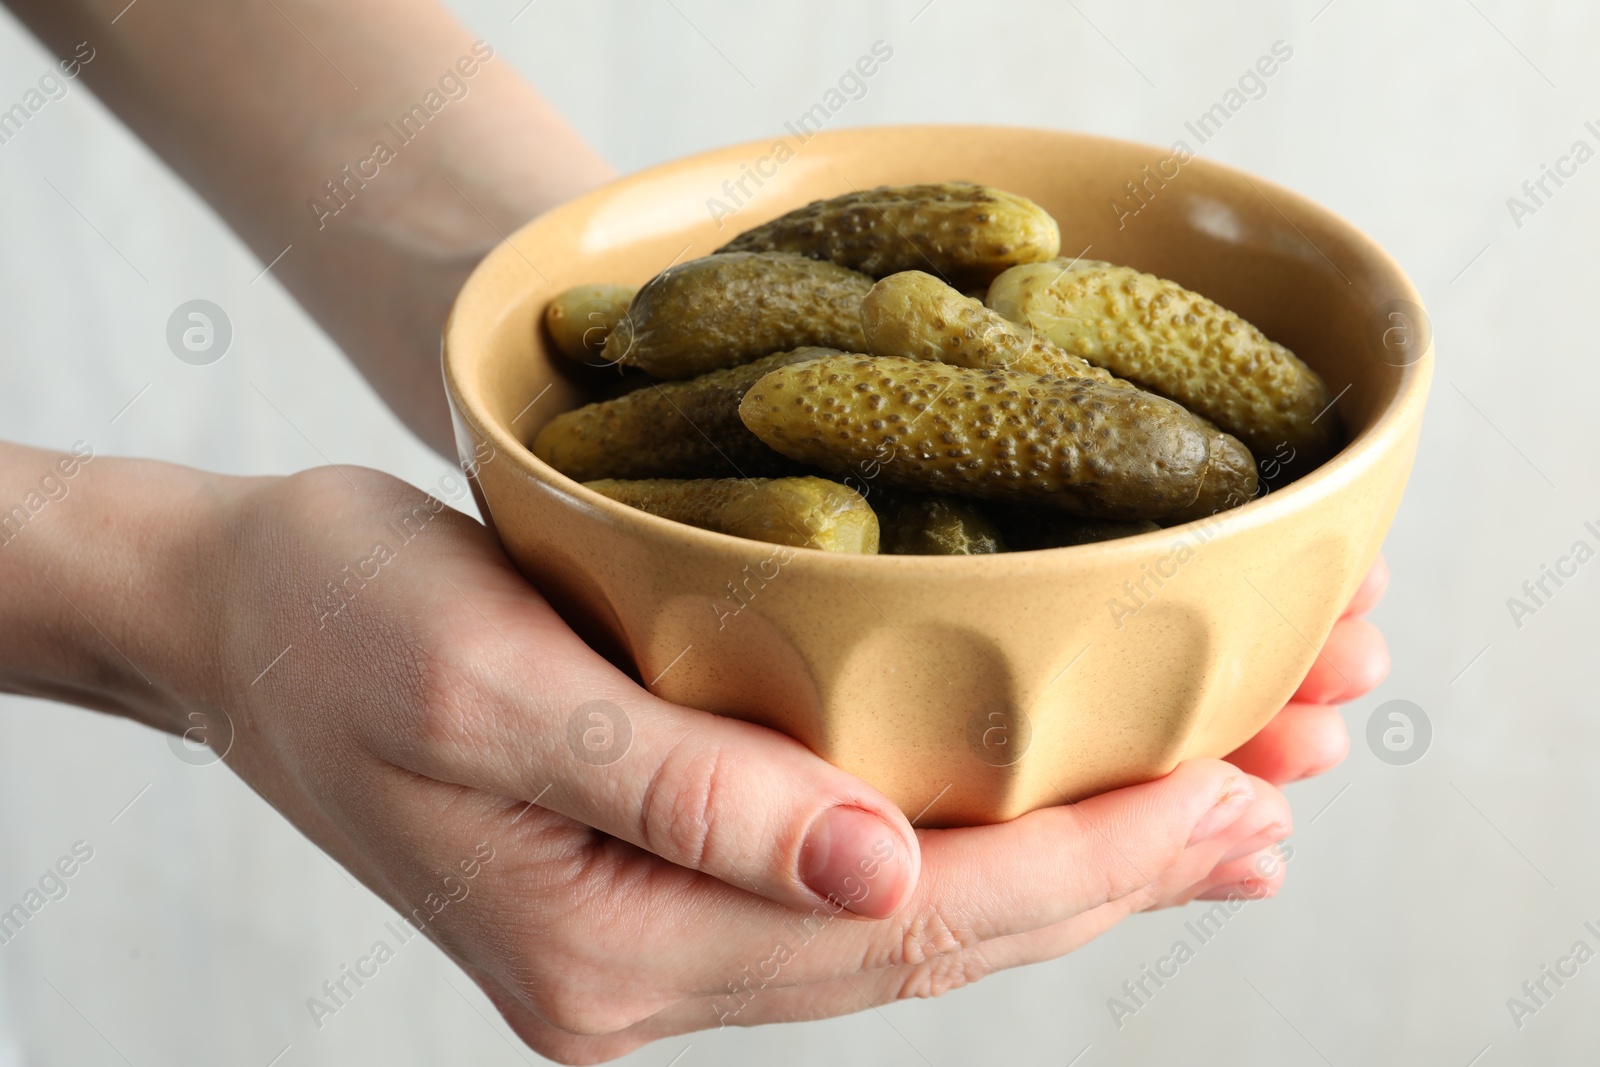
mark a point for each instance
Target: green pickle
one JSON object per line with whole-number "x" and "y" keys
{"x": 723, "y": 310}
{"x": 687, "y": 429}
{"x": 1230, "y": 481}
{"x": 1072, "y": 445}
{"x": 916, "y": 316}
{"x": 957, "y": 229}
{"x": 803, "y": 512}
{"x": 914, "y": 524}
{"x": 927, "y": 345}
{"x": 581, "y": 318}
{"x": 1177, "y": 343}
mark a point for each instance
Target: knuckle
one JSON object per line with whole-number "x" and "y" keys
{"x": 926, "y": 936}
{"x": 548, "y": 1040}
{"x": 1127, "y": 883}
{"x": 680, "y": 814}
{"x": 453, "y": 696}
{"x": 581, "y": 1015}
{"x": 584, "y": 1007}
{"x": 1143, "y": 897}
{"x": 940, "y": 975}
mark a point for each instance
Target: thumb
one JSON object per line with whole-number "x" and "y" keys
{"x": 734, "y": 800}
{"x": 755, "y": 808}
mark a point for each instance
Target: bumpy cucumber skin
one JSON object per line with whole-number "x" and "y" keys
{"x": 1171, "y": 341}
{"x": 1069, "y": 444}
{"x": 916, "y": 316}
{"x": 803, "y": 512}
{"x": 723, "y": 310}
{"x": 687, "y": 429}
{"x": 914, "y": 524}
{"x": 958, "y": 230}
{"x": 580, "y": 319}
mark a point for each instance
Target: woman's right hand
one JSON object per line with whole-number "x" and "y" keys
{"x": 414, "y": 722}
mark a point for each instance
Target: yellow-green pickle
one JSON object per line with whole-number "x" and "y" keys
{"x": 1177, "y": 343}
{"x": 1068, "y": 444}
{"x": 957, "y": 229}
{"x": 914, "y": 524}
{"x": 928, "y": 346}
{"x": 722, "y": 310}
{"x": 687, "y": 429}
{"x": 581, "y": 318}
{"x": 916, "y": 316}
{"x": 803, "y": 512}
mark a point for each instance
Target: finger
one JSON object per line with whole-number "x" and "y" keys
{"x": 1353, "y": 660}
{"x": 535, "y": 713}
{"x": 1301, "y": 740}
{"x": 1259, "y": 834}
{"x": 1371, "y": 589}
{"x": 757, "y": 1005}
{"x": 1131, "y": 846}
{"x": 1135, "y": 845}
{"x": 1138, "y": 844}
{"x": 755, "y": 1001}
{"x": 1244, "y": 879}
{"x": 1252, "y": 877}
{"x": 708, "y": 939}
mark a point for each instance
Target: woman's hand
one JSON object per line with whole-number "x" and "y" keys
{"x": 417, "y": 729}
{"x": 376, "y": 669}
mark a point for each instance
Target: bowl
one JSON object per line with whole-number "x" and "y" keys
{"x": 968, "y": 689}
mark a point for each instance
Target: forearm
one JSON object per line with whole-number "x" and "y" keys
{"x": 261, "y": 104}
{"x": 102, "y": 567}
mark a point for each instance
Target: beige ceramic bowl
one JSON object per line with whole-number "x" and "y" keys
{"x": 967, "y": 689}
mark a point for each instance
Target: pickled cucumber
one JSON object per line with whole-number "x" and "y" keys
{"x": 1179, "y": 344}
{"x": 1072, "y": 445}
{"x": 958, "y": 230}
{"x": 1230, "y": 480}
{"x": 723, "y": 310}
{"x": 913, "y": 524}
{"x": 580, "y": 319}
{"x": 916, "y": 316}
{"x": 688, "y": 429}
{"x": 804, "y": 512}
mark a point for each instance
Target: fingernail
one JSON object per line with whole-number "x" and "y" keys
{"x": 1239, "y": 792}
{"x": 855, "y": 861}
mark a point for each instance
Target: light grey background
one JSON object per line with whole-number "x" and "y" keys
{"x": 1419, "y": 897}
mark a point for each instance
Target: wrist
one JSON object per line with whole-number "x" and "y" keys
{"x": 105, "y": 562}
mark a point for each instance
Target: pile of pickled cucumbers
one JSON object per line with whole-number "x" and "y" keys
{"x": 916, "y": 370}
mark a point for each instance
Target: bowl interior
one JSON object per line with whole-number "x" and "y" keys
{"x": 1308, "y": 279}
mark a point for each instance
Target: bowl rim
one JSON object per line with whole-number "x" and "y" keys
{"x": 1387, "y": 431}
